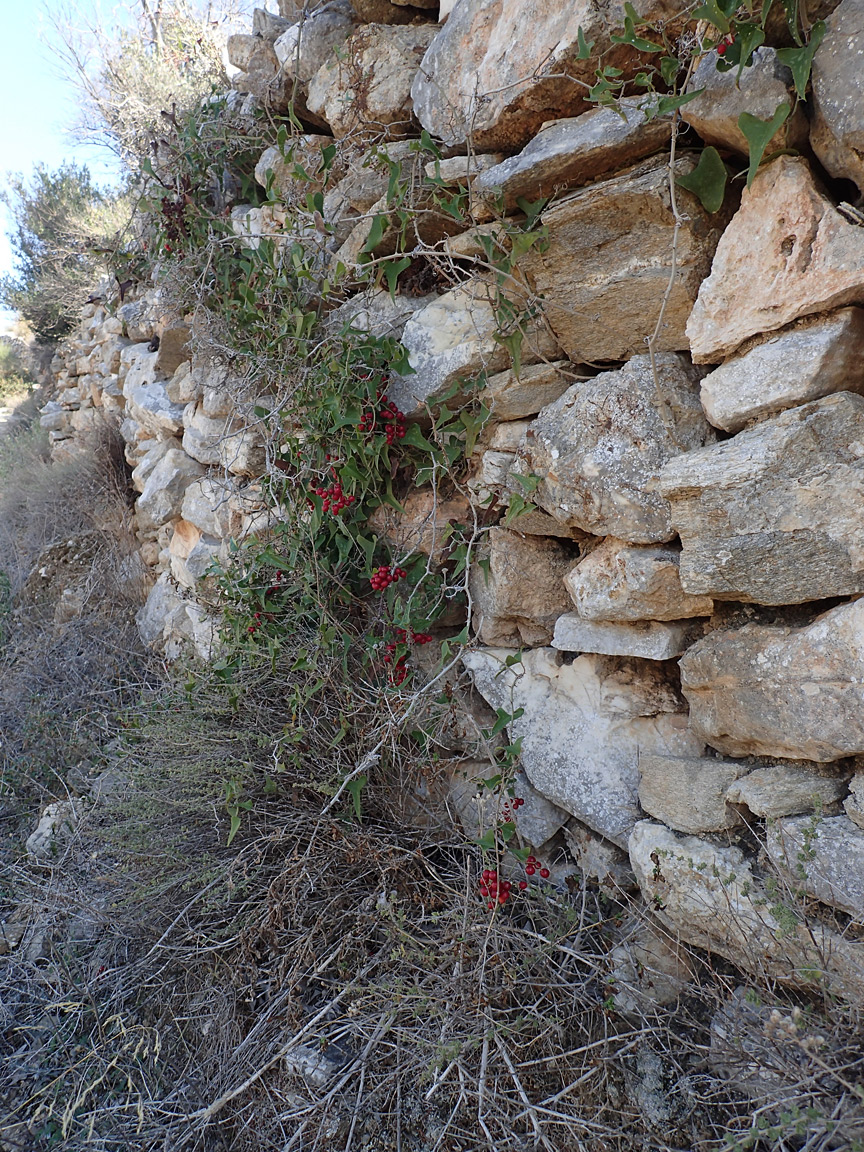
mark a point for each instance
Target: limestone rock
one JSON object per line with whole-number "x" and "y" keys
{"x": 510, "y": 397}
{"x": 584, "y": 727}
{"x": 425, "y": 524}
{"x": 522, "y": 584}
{"x": 377, "y": 313}
{"x": 763, "y": 86}
{"x": 193, "y": 554}
{"x": 774, "y": 516}
{"x": 260, "y": 75}
{"x": 815, "y": 357}
{"x": 779, "y": 691}
{"x": 576, "y": 150}
{"x": 155, "y": 618}
{"x": 837, "y": 131}
{"x": 499, "y": 69}
{"x": 606, "y": 267}
{"x": 454, "y": 337}
{"x": 173, "y": 349}
{"x": 787, "y": 253}
{"x": 539, "y": 524}
{"x": 147, "y": 399}
{"x": 537, "y": 819}
{"x": 710, "y": 897}
{"x": 649, "y": 969}
{"x": 689, "y": 795}
{"x": 141, "y": 471}
{"x": 489, "y": 483}
{"x": 182, "y": 387}
{"x": 480, "y": 808}
{"x": 276, "y": 166}
{"x": 211, "y": 505}
{"x": 56, "y": 824}
{"x": 220, "y": 442}
{"x": 268, "y": 26}
{"x": 368, "y": 86}
{"x": 163, "y": 492}
{"x": 137, "y": 320}
{"x": 854, "y": 803}
{"x": 645, "y": 639}
{"x": 387, "y": 12}
{"x": 599, "y": 859}
{"x": 825, "y": 857}
{"x": 600, "y": 447}
{"x": 627, "y": 582}
{"x": 788, "y": 790}
{"x": 308, "y": 45}
{"x": 462, "y": 170}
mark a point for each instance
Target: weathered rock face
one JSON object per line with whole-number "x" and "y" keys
{"x": 854, "y": 802}
{"x": 310, "y": 44}
{"x": 425, "y": 524}
{"x": 484, "y": 72}
{"x": 787, "y": 253}
{"x": 599, "y": 449}
{"x": 584, "y": 727}
{"x": 825, "y": 857}
{"x": 837, "y": 132}
{"x": 775, "y": 515}
{"x": 368, "y": 87}
{"x": 813, "y": 358}
{"x": 607, "y": 265}
{"x": 789, "y": 692}
{"x": 509, "y": 396}
{"x": 710, "y": 896}
{"x": 788, "y": 790}
{"x": 646, "y": 639}
{"x": 522, "y": 591}
{"x": 146, "y": 397}
{"x": 689, "y": 794}
{"x": 260, "y": 73}
{"x": 163, "y": 492}
{"x": 762, "y": 87}
{"x": 221, "y": 442}
{"x": 571, "y": 152}
{"x": 626, "y": 582}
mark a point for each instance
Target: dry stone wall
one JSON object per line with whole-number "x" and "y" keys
{"x": 676, "y": 627}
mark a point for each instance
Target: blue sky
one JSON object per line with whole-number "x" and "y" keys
{"x": 38, "y": 105}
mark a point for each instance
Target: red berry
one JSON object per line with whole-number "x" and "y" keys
{"x": 523, "y": 884}
{"x": 490, "y": 905}
{"x": 544, "y": 872}
{"x": 484, "y": 891}
{"x": 502, "y": 899}
{"x": 530, "y": 870}
{"x": 721, "y": 48}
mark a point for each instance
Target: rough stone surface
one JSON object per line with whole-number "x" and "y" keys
{"x": 775, "y": 515}
{"x": 645, "y": 639}
{"x": 480, "y": 809}
{"x": 368, "y": 86}
{"x": 141, "y": 471}
{"x": 484, "y": 72}
{"x": 571, "y": 152}
{"x": 606, "y": 268}
{"x": 261, "y": 75}
{"x": 778, "y": 691}
{"x": 599, "y": 859}
{"x": 788, "y": 790}
{"x": 220, "y": 442}
{"x": 523, "y": 585}
{"x": 307, "y": 46}
{"x": 837, "y": 130}
{"x": 454, "y": 337}
{"x": 173, "y": 349}
{"x": 649, "y": 970}
{"x": 815, "y": 357}
{"x": 163, "y": 492}
{"x": 627, "y": 582}
{"x": 787, "y": 253}
{"x": 211, "y": 505}
{"x": 600, "y": 447}
{"x": 761, "y": 89}
{"x": 710, "y": 896}
{"x": 510, "y": 397}
{"x": 825, "y": 857}
{"x": 147, "y": 399}
{"x": 854, "y": 802}
{"x": 689, "y": 794}
{"x": 584, "y": 727}
{"x": 425, "y": 524}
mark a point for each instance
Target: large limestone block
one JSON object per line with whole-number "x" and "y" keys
{"x": 824, "y": 857}
{"x": 146, "y": 397}
{"x": 454, "y": 338}
{"x": 710, "y": 896}
{"x": 368, "y": 86}
{"x": 305, "y": 47}
{"x": 787, "y": 253}
{"x": 607, "y": 265}
{"x": 220, "y": 442}
{"x": 625, "y": 582}
{"x": 815, "y": 357}
{"x": 510, "y": 397}
{"x": 570, "y": 152}
{"x": 645, "y": 639}
{"x": 599, "y": 448}
{"x": 260, "y": 72}
{"x": 584, "y": 727}
{"x": 777, "y": 691}
{"x": 141, "y": 471}
{"x": 193, "y": 554}
{"x": 499, "y": 68}
{"x": 212, "y": 506}
{"x": 775, "y": 515}
{"x": 837, "y": 131}
{"x": 788, "y": 790}
{"x": 761, "y": 88}
{"x": 689, "y": 794}
{"x": 163, "y": 492}
{"x": 174, "y": 349}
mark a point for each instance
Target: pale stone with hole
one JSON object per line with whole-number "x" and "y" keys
{"x": 815, "y": 357}
{"x": 787, "y": 253}
{"x": 599, "y": 448}
{"x": 626, "y": 582}
{"x": 584, "y": 726}
{"x": 709, "y": 895}
{"x": 837, "y": 130}
{"x": 766, "y": 690}
{"x": 788, "y": 790}
{"x": 689, "y": 794}
{"x": 645, "y": 639}
{"x": 824, "y": 856}
{"x": 759, "y": 90}
{"x": 605, "y": 269}
{"x": 775, "y": 515}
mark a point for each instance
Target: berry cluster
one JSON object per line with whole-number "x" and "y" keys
{"x": 174, "y": 220}
{"x": 399, "y": 671}
{"x": 531, "y": 867}
{"x": 333, "y": 499}
{"x": 388, "y": 415}
{"x": 384, "y": 576}
{"x": 494, "y": 890}
{"x": 508, "y": 811}
{"x": 724, "y": 45}
{"x": 276, "y": 586}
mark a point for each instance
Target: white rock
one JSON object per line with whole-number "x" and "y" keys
{"x": 163, "y": 491}
{"x": 689, "y": 794}
{"x": 142, "y": 470}
{"x": 825, "y": 857}
{"x": 57, "y": 823}
{"x": 788, "y": 790}
{"x": 646, "y": 639}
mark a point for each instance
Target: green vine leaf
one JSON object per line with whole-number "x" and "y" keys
{"x": 759, "y": 133}
{"x": 714, "y": 14}
{"x": 707, "y": 181}
{"x": 800, "y": 60}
